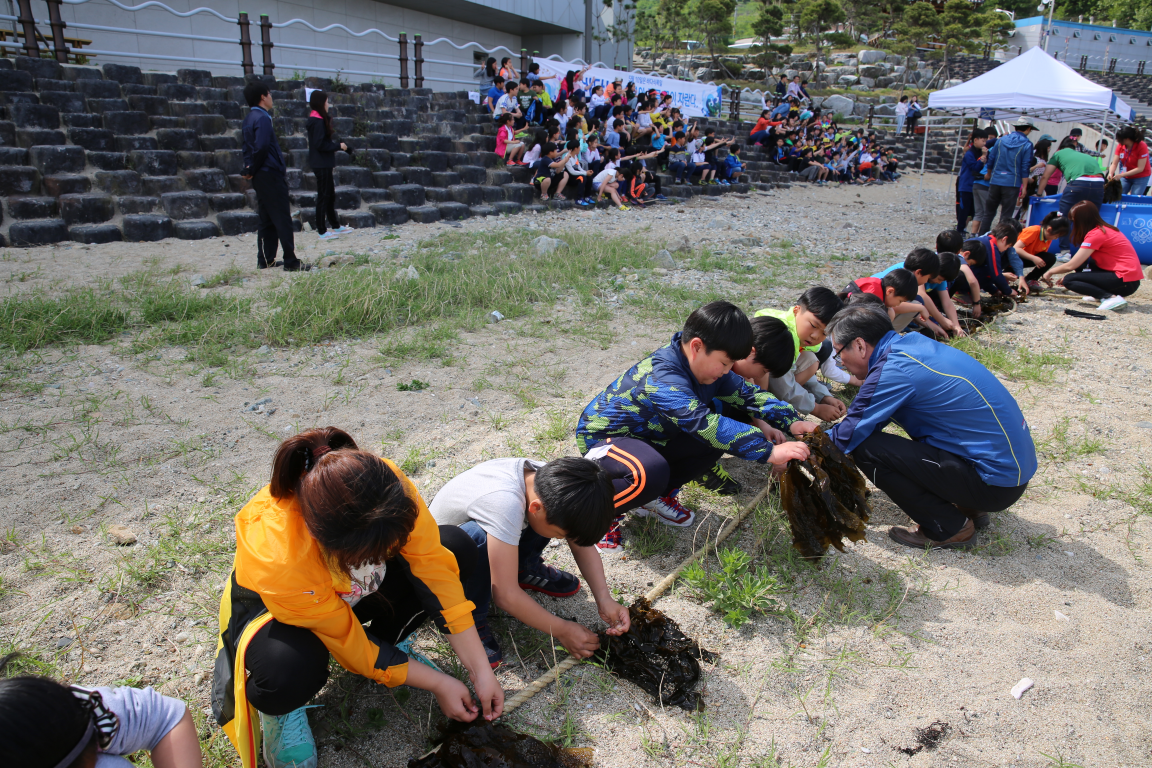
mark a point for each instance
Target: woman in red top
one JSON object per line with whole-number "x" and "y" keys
{"x": 1134, "y": 155}
{"x": 1115, "y": 268}
{"x": 759, "y": 134}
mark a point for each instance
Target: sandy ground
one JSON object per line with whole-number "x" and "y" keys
{"x": 895, "y": 639}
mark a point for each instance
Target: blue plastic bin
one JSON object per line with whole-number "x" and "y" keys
{"x": 1132, "y": 216}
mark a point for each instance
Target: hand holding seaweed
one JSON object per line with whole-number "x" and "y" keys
{"x": 824, "y": 498}
{"x": 657, "y": 656}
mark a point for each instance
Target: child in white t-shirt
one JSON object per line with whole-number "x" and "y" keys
{"x": 511, "y": 508}
{"x": 44, "y": 724}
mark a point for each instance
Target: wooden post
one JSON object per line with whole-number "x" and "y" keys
{"x": 418, "y": 50}
{"x": 58, "y": 45}
{"x": 29, "y": 24}
{"x": 403, "y": 59}
{"x": 266, "y": 44}
{"x": 523, "y": 63}
{"x": 871, "y": 114}
{"x": 734, "y": 105}
{"x": 246, "y": 44}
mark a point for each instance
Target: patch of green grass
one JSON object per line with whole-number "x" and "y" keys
{"x": 647, "y": 536}
{"x": 1058, "y": 761}
{"x": 1060, "y": 445}
{"x": 228, "y": 276}
{"x": 1017, "y": 363}
{"x": 416, "y": 459}
{"x": 81, "y": 316}
{"x": 736, "y": 588}
{"x": 414, "y": 386}
{"x": 433, "y": 342}
{"x": 557, "y": 427}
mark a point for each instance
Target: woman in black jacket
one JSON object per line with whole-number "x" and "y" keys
{"x": 322, "y": 147}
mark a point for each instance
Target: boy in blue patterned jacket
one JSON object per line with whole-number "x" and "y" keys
{"x": 656, "y": 427}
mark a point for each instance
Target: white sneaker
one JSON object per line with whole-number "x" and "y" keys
{"x": 1114, "y": 303}
{"x": 1063, "y": 257}
{"x": 835, "y": 372}
{"x": 343, "y": 229}
{"x": 668, "y": 511}
{"x": 1089, "y": 300}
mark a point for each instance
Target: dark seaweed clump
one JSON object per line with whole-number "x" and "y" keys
{"x": 487, "y": 745}
{"x": 826, "y": 503}
{"x": 657, "y": 656}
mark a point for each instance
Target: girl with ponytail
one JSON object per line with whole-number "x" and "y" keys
{"x": 339, "y": 538}
{"x": 322, "y": 148}
{"x": 1034, "y": 243}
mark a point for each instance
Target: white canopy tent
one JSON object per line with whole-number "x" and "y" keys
{"x": 1033, "y": 84}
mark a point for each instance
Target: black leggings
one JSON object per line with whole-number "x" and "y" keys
{"x": 927, "y": 483}
{"x": 1038, "y": 272}
{"x": 325, "y": 200}
{"x": 288, "y": 665}
{"x": 1099, "y": 284}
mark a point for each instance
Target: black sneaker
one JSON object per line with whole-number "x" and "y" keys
{"x": 551, "y": 581}
{"x": 265, "y": 266}
{"x": 491, "y": 647}
{"x": 717, "y": 479}
{"x": 298, "y": 267}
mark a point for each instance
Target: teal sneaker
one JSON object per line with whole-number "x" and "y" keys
{"x": 288, "y": 741}
{"x": 405, "y": 647}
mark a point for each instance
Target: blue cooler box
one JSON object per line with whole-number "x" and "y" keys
{"x": 1132, "y": 216}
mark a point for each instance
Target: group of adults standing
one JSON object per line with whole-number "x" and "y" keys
{"x": 995, "y": 172}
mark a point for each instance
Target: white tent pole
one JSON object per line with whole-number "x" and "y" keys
{"x": 1103, "y": 136}
{"x": 923, "y": 156}
{"x": 956, "y": 151}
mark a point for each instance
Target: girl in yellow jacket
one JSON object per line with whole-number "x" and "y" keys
{"x": 339, "y": 538}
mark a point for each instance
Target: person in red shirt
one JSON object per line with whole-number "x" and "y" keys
{"x": 897, "y": 291}
{"x": 1112, "y": 267}
{"x": 1133, "y": 153}
{"x": 760, "y": 132}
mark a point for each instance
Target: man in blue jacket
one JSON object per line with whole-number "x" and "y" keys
{"x": 971, "y": 451}
{"x": 1009, "y": 161}
{"x": 965, "y": 205}
{"x": 264, "y": 167}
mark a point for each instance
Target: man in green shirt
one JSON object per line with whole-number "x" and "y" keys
{"x": 1082, "y": 176}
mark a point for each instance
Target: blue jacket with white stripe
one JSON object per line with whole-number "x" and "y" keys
{"x": 945, "y": 398}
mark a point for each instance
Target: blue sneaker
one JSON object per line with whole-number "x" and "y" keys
{"x": 343, "y": 229}
{"x": 551, "y": 581}
{"x": 491, "y": 647}
{"x": 405, "y": 647}
{"x": 288, "y": 741}
{"x": 661, "y": 197}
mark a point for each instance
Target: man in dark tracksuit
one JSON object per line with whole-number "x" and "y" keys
{"x": 264, "y": 166}
{"x": 970, "y": 451}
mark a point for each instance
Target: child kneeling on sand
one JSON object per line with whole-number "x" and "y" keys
{"x": 661, "y": 413}
{"x": 512, "y": 508}
{"x": 338, "y": 558}
{"x": 799, "y": 387}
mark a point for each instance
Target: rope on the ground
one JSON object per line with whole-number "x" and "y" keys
{"x": 552, "y": 674}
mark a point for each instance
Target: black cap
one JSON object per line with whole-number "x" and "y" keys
{"x": 1075, "y": 132}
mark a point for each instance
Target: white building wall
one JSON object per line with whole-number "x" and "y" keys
{"x": 452, "y": 70}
